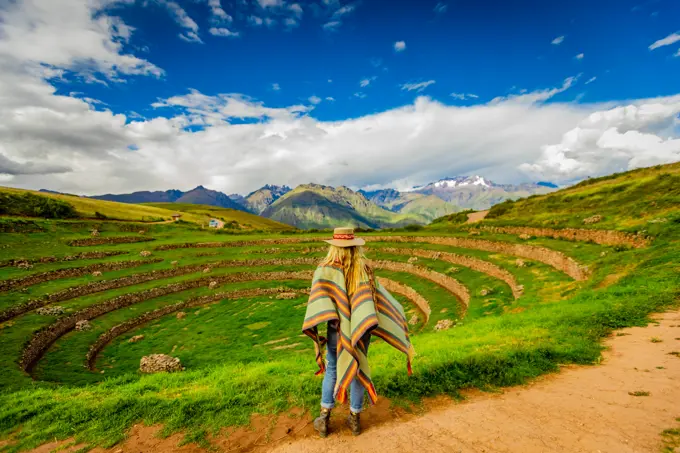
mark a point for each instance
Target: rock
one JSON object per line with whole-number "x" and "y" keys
{"x": 414, "y": 320}
{"x": 206, "y": 270}
{"x": 181, "y": 315}
{"x": 212, "y": 285}
{"x": 174, "y": 263}
{"x": 413, "y": 259}
{"x": 452, "y": 270}
{"x": 593, "y": 219}
{"x": 96, "y": 274}
{"x": 83, "y": 325}
{"x": 24, "y": 265}
{"x": 94, "y": 233}
{"x": 520, "y": 263}
{"x": 101, "y": 372}
{"x": 474, "y": 233}
{"x": 51, "y": 311}
{"x": 603, "y": 254}
{"x": 145, "y": 253}
{"x": 136, "y": 338}
{"x": 436, "y": 255}
{"x": 286, "y": 295}
{"x": 443, "y": 324}
{"x": 141, "y": 232}
{"x": 524, "y": 236}
{"x": 156, "y": 363}
{"x": 485, "y": 292}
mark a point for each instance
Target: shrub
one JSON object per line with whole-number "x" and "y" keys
{"x": 413, "y": 227}
{"x": 499, "y": 209}
{"x": 456, "y": 217}
{"x": 99, "y": 215}
{"x": 31, "y": 205}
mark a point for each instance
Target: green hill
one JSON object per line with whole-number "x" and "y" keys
{"x": 318, "y": 206}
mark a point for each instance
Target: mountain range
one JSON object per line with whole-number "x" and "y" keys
{"x": 319, "y": 206}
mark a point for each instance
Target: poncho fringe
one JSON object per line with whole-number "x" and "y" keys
{"x": 383, "y": 317}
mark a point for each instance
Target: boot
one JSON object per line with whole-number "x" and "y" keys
{"x": 354, "y": 423}
{"x": 321, "y": 422}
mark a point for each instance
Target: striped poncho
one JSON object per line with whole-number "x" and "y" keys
{"x": 384, "y": 318}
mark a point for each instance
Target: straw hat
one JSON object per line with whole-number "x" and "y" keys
{"x": 344, "y": 237}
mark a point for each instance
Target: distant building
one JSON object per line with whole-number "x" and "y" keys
{"x": 214, "y": 223}
{"x": 176, "y": 216}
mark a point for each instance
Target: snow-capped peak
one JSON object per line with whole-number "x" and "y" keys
{"x": 462, "y": 181}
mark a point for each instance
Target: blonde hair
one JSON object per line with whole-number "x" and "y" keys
{"x": 351, "y": 259}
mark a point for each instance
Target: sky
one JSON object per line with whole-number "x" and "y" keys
{"x": 114, "y": 96}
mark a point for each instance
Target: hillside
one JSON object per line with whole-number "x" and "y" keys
{"x": 318, "y": 206}
{"x": 638, "y": 200}
{"x": 428, "y": 206}
{"x": 478, "y": 193}
{"x": 198, "y": 195}
{"x": 233, "y": 218}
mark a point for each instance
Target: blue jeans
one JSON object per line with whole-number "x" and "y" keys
{"x": 356, "y": 390}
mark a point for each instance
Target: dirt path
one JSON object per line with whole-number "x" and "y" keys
{"x": 581, "y": 409}
{"x": 476, "y": 216}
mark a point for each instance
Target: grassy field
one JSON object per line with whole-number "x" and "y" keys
{"x": 88, "y": 208}
{"x": 246, "y": 355}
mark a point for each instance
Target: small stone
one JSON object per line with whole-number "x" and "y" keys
{"x": 51, "y": 311}
{"x": 24, "y": 265}
{"x": 524, "y": 236}
{"x": 101, "y": 372}
{"x": 212, "y": 285}
{"x": 145, "y": 253}
{"x": 181, "y": 315}
{"x": 286, "y": 295}
{"x": 94, "y": 233}
{"x": 603, "y": 254}
{"x": 206, "y": 270}
{"x": 83, "y": 324}
{"x": 443, "y": 324}
{"x": 593, "y": 219}
{"x": 452, "y": 270}
{"x": 141, "y": 232}
{"x": 474, "y": 233}
{"x": 413, "y": 259}
{"x": 156, "y": 363}
{"x": 485, "y": 292}
{"x": 136, "y": 338}
{"x": 96, "y": 274}
{"x": 520, "y": 263}
{"x": 174, "y": 263}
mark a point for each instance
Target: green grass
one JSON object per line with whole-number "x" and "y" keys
{"x": 231, "y": 371}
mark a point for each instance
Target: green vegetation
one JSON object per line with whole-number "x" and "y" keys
{"x": 30, "y": 205}
{"x": 245, "y": 355}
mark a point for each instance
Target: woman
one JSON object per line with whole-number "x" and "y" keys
{"x": 346, "y": 296}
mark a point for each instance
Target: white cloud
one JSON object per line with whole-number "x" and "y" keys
{"x": 591, "y": 80}
{"x": 342, "y": 11}
{"x": 69, "y": 35}
{"x": 190, "y": 26}
{"x": 579, "y": 56}
{"x": 330, "y": 80}
{"x": 667, "y": 41}
{"x": 418, "y": 87}
{"x": 557, "y": 41}
{"x": 334, "y": 14}
{"x": 269, "y": 22}
{"x": 314, "y": 100}
{"x": 359, "y": 95}
{"x": 400, "y": 46}
{"x": 276, "y": 87}
{"x": 464, "y": 96}
{"x": 538, "y": 95}
{"x": 219, "y": 15}
{"x": 332, "y": 25}
{"x": 363, "y": 83}
{"x": 255, "y": 20}
{"x": 270, "y": 3}
{"x": 330, "y": 99}
{"x": 616, "y": 139}
{"x": 221, "y": 31}
{"x": 440, "y": 8}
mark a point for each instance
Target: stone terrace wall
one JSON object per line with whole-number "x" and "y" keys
{"x": 553, "y": 258}
{"x": 602, "y": 237}
{"x": 409, "y": 293}
{"x": 45, "y": 337}
{"x": 466, "y": 261}
{"x": 108, "y": 241}
{"x": 34, "y": 279}
{"x": 54, "y": 259}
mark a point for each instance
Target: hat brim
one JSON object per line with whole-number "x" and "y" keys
{"x": 356, "y": 242}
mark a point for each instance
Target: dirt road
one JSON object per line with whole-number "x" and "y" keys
{"x": 476, "y": 216}
{"x": 581, "y": 409}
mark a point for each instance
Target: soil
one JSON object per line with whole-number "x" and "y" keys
{"x": 580, "y": 409}
{"x": 476, "y": 216}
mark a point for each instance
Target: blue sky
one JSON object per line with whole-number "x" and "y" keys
{"x": 121, "y": 95}
{"x": 488, "y": 48}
